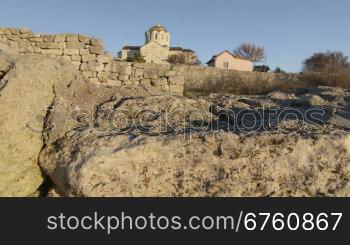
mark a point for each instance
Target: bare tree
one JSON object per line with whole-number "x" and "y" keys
{"x": 251, "y": 52}
{"x": 327, "y": 62}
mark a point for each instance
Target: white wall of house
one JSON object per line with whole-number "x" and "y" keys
{"x": 227, "y": 61}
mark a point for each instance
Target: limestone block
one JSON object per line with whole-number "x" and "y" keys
{"x": 159, "y": 82}
{"x": 114, "y": 82}
{"x": 122, "y": 63}
{"x": 94, "y": 80}
{"x": 37, "y": 50}
{"x": 37, "y": 35}
{"x": 170, "y": 73}
{"x": 36, "y": 39}
{"x": 113, "y": 76}
{"x": 89, "y": 74}
{"x": 134, "y": 79}
{"x": 139, "y": 65}
{"x": 176, "y": 89}
{"x": 85, "y": 74}
{"x": 72, "y": 38}
{"x": 84, "y": 67}
{"x": 88, "y": 57}
{"x": 127, "y": 83}
{"x": 66, "y": 57}
{"x": 96, "y": 42}
{"x": 97, "y": 50}
{"x": 14, "y": 45}
{"x": 139, "y": 72}
{"x": 125, "y": 70}
{"x": 103, "y": 74}
{"x": 49, "y": 38}
{"x": 75, "y": 45}
{"x": 84, "y": 38}
{"x": 108, "y": 67}
{"x": 123, "y": 78}
{"x": 23, "y": 106}
{"x": 150, "y": 73}
{"x": 104, "y": 58}
{"x": 145, "y": 82}
{"x": 60, "y": 38}
{"x": 62, "y": 45}
{"x": 84, "y": 51}
{"x": 48, "y": 45}
{"x": 52, "y": 51}
{"x": 92, "y": 66}
{"x": 26, "y": 49}
{"x": 76, "y": 64}
{"x": 51, "y": 55}
{"x": 71, "y": 52}
{"x": 165, "y": 88}
{"x": 76, "y": 58}
{"x": 176, "y": 80}
{"x": 161, "y": 72}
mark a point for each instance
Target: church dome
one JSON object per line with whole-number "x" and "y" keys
{"x": 158, "y": 34}
{"x": 157, "y": 28}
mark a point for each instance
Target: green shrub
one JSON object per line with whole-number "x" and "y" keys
{"x": 136, "y": 58}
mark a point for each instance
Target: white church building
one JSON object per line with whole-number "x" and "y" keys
{"x": 157, "y": 48}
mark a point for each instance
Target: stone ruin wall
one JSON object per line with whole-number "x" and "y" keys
{"x": 94, "y": 63}
{"x": 91, "y": 60}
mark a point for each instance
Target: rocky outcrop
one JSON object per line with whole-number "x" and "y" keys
{"x": 26, "y": 92}
{"x": 42, "y": 97}
{"x": 207, "y": 164}
{"x": 95, "y": 140}
{"x": 172, "y": 146}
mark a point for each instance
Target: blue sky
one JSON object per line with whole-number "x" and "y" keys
{"x": 290, "y": 31}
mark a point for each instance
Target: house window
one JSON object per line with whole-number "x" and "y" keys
{"x": 226, "y": 65}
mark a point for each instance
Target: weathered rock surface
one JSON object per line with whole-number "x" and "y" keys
{"x": 26, "y": 91}
{"x": 75, "y": 104}
{"x": 124, "y": 141}
{"x": 173, "y": 146}
{"x": 41, "y": 96}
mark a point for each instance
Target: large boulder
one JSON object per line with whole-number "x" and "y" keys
{"x": 26, "y": 93}
{"x": 172, "y": 146}
{"x": 74, "y": 106}
{"x": 40, "y": 100}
